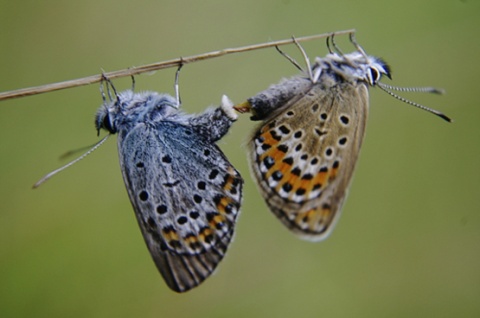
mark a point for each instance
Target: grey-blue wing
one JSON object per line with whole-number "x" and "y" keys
{"x": 186, "y": 197}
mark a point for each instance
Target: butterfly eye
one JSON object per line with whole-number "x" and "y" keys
{"x": 108, "y": 125}
{"x": 373, "y": 75}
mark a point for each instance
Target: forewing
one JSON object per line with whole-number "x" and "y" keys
{"x": 303, "y": 157}
{"x": 186, "y": 197}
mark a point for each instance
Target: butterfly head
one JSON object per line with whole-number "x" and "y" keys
{"x": 376, "y": 68}
{"x": 354, "y": 67}
{"x": 130, "y": 108}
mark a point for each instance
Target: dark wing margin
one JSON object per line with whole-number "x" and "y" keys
{"x": 183, "y": 272}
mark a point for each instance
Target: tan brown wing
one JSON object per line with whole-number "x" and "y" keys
{"x": 303, "y": 157}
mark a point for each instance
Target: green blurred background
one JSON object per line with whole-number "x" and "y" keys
{"x": 407, "y": 245}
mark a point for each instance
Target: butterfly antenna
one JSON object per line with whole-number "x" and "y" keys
{"x": 432, "y": 90}
{"x": 385, "y": 88}
{"x": 51, "y": 174}
{"x": 75, "y": 151}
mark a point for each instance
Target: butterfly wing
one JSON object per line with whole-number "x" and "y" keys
{"x": 303, "y": 155}
{"x": 186, "y": 197}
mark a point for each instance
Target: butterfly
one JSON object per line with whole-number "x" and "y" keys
{"x": 185, "y": 193}
{"x": 303, "y": 154}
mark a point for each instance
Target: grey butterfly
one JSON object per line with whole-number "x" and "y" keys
{"x": 185, "y": 193}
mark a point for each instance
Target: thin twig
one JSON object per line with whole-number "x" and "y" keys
{"x": 155, "y": 66}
